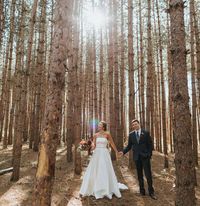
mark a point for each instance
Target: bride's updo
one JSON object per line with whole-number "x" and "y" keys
{"x": 104, "y": 125}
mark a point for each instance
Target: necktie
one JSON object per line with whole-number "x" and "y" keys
{"x": 137, "y": 136}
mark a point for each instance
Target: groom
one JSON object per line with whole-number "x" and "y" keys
{"x": 141, "y": 143}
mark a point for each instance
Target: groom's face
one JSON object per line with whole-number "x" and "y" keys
{"x": 135, "y": 125}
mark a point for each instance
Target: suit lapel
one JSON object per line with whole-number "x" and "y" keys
{"x": 141, "y": 133}
{"x": 135, "y": 138}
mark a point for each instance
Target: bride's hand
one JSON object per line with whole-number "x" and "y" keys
{"x": 117, "y": 155}
{"x": 93, "y": 147}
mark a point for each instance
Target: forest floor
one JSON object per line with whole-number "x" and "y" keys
{"x": 67, "y": 185}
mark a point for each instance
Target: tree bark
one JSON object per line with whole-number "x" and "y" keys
{"x": 150, "y": 77}
{"x": 40, "y": 67}
{"x": 194, "y": 99}
{"x": 18, "y": 128}
{"x": 184, "y": 164}
{"x": 131, "y": 73}
{"x": 164, "y": 129}
{"x": 53, "y": 109}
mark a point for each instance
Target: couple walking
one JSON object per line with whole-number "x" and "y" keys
{"x": 100, "y": 180}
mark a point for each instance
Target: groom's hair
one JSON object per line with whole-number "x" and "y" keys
{"x": 135, "y": 120}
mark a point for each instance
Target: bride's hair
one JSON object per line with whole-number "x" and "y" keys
{"x": 104, "y": 125}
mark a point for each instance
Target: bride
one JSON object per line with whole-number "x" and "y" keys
{"x": 99, "y": 179}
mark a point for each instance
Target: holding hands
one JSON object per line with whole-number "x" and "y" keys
{"x": 118, "y": 154}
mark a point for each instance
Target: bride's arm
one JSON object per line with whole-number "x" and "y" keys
{"x": 94, "y": 142}
{"x": 112, "y": 142}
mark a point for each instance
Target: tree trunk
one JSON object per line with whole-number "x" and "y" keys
{"x": 197, "y": 38}
{"x": 164, "y": 130}
{"x": 169, "y": 64}
{"x": 70, "y": 96}
{"x": 111, "y": 78}
{"x": 17, "y": 146}
{"x": 77, "y": 102}
{"x": 122, "y": 75}
{"x": 2, "y": 21}
{"x": 141, "y": 86}
{"x": 131, "y": 73}
{"x": 40, "y": 67}
{"x": 53, "y": 109}
{"x": 194, "y": 99}
{"x": 101, "y": 65}
{"x": 96, "y": 115}
{"x": 150, "y": 72}
{"x": 184, "y": 164}
{"x": 8, "y": 66}
{"x": 25, "y": 97}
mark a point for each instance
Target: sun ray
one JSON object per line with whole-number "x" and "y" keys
{"x": 95, "y": 18}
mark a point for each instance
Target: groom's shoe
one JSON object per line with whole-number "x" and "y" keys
{"x": 153, "y": 196}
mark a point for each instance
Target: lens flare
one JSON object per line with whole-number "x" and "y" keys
{"x": 94, "y": 123}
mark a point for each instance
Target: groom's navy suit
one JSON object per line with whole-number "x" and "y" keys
{"x": 142, "y": 152}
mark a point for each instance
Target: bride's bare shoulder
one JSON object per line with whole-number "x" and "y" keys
{"x": 107, "y": 133}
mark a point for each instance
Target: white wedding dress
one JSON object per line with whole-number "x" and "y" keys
{"x": 99, "y": 179}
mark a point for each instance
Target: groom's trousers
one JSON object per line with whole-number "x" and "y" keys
{"x": 144, "y": 164}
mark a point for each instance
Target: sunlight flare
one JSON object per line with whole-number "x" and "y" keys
{"x": 96, "y": 18}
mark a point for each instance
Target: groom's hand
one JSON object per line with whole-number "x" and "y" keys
{"x": 120, "y": 154}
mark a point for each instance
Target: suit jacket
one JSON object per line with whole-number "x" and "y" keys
{"x": 143, "y": 148}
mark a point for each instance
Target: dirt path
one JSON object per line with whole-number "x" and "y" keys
{"x": 67, "y": 185}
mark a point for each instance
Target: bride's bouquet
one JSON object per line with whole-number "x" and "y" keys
{"x": 84, "y": 145}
